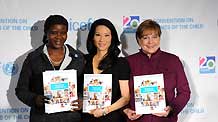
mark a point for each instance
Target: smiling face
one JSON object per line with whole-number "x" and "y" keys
{"x": 57, "y": 35}
{"x": 149, "y": 41}
{"x": 102, "y": 38}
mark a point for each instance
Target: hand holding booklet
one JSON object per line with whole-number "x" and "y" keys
{"x": 96, "y": 91}
{"x": 60, "y": 86}
{"x": 149, "y": 94}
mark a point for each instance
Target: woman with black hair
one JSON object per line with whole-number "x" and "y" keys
{"x": 52, "y": 55}
{"x": 102, "y": 45}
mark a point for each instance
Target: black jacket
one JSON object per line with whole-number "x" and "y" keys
{"x": 30, "y": 83}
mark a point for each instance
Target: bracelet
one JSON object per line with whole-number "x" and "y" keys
{"x": 104, "y": 113}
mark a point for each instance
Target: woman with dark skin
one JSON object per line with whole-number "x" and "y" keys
{"x": 52, "y": 55}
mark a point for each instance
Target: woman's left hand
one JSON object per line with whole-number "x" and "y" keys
{"x": 97, "y": 112}
{"x": 163, "y": 114}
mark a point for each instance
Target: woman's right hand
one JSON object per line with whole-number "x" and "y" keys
{"x": 131, "y": 114}
{"x": 76, "y": 105}
{"x": 40, "y": 100}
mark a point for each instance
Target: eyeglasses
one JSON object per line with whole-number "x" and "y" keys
{"x": 150, "y": 37}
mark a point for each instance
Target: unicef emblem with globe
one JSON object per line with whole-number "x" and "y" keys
{"x": 10, "y": 68}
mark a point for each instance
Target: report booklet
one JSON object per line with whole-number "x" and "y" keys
{"x": 60, "y": 86}
{"x": 149, "y": 94}
{"x": 96, "y": 91}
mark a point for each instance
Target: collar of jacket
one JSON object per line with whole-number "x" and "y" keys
{"x": 70, "y": 55}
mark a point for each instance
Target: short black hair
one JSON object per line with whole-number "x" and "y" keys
{"x": 53, "y": 20}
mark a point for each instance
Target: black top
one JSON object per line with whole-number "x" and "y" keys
{"x": 120, "y": 71}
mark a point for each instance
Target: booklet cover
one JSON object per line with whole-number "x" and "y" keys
{"x": 96, "y": 91}
{"x": 60, "y": 86}
{"x": 149, "y": 94}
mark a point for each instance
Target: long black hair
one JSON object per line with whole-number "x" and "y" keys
{"x": 50, "y": 21}
{"x": 113, "y": 50}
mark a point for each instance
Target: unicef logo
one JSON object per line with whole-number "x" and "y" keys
{"x": 10, "y": 68}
